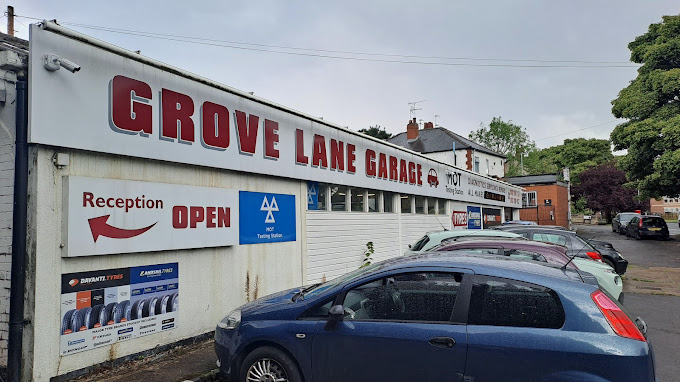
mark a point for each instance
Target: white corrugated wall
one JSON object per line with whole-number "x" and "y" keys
{"x": 336, "y": 240}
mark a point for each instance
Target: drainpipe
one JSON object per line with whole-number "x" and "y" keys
{"x": 19, "y": 223}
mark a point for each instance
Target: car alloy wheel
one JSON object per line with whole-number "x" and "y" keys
{"x": 267, "y": 370}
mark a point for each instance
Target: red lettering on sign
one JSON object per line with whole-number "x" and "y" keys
{"x": 382, "y": 166}
{"x": 411, "y": 172}
{"x": 319, "y": 152}
{"x": 459, "y": 218}
{"x": 210, "y": 220}
{"x": 351, "y": 157}
{"x": 271, "y": 138}
{"x": 215, "y": 125}
{"x": 393, "y": 168}
{"x": 87, "y": 198}
{"x": 403, "y": 174}
{"x": 300, "y": 157}
{"x": 223, "y": 217}
{"x": 337, "y": 155}
{"x": 129, "y": 112}
{"x": 177, "y": 109}
{"x": 180, "y": 217}
{"x": 196, "y": 215}
{"x": 370, "y": 163}
{"x": 419, "y": 174}
{"x": 246, "y": 128}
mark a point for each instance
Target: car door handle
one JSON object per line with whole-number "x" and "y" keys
{"x": 443, "y": 342}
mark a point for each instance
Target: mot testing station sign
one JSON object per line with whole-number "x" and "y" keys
{"x": 266, "y": 217}
{"x": 105, "y": 216}
{"x": 100, "y": 308}
{"x": 474, "y": 217}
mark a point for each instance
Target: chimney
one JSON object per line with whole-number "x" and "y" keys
{"x": 429, "y": 125}
{"x": 412, "y": 130}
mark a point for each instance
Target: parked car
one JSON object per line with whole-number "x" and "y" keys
{"x": 576, "y": 245}
{"x": 435, "y": 317}
{"x": 621, "y": 220}
{"x": 511, "y": 226}
{"x": 435, "y": 238}
{"x": 644, "y": 226}
{"x": 553, "y": 254}
{"x": 518, "y": 222}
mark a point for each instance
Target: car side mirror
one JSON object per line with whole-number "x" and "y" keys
{"x": 335, "y": 314}
{"x": 409, "y": 246}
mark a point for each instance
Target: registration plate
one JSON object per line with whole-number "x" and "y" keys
{"x": 655, "y": 229}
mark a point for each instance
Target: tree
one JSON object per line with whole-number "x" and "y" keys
{"x": 507, "y": 139}
{"x": 377, "y": 132}
{"x": 603, "y": 189}
{"x": 578, "y": 154}
{"x": 651, "y": 104}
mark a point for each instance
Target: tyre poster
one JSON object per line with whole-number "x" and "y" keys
{"x": 100, "y": 308}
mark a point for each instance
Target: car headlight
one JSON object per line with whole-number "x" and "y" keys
{"x": 617, "y": 280}
{"x": 231, "y": 321}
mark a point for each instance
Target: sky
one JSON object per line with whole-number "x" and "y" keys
{"x": 550, "y": 102}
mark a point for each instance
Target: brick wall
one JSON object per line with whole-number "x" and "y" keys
{"x": 559, "y": 207}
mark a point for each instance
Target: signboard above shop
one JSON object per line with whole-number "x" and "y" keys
{"x": 122, "y": 103}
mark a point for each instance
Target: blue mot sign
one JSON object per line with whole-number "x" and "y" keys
{"x": 266, "y": 218}
{"x": 474, "y": 217}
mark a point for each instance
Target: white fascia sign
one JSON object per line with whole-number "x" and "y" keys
{"x": 108, "y": 216}
{"x": 121, "y": 104}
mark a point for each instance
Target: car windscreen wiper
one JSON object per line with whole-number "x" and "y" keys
{"x": 301, "y": 292}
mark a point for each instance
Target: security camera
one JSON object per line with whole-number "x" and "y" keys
{"x": 69, "y": 65}
{"x": 54, "y": 62}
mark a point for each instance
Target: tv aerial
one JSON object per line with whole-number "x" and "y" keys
{"x": 413, "y": 107}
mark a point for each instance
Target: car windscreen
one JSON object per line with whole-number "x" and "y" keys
{"x": 582, "y": 244}
{"x": 653, "y": 222}
{"x": 342, "y": 279}
{"x": 627, "y": 217}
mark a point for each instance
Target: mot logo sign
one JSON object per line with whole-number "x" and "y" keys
{"x": 266, "y": 218}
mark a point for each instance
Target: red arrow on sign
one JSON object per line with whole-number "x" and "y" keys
{"x": 99, "y": 227}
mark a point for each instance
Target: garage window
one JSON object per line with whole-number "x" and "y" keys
{"x": 338, "y": 198}
{"x": 373, "y": 198}
{"x": 504, "y": 302}
{"x": 388, "y": 201}
{"x": 420, "y": 204}
{"x": 358, "y": 199}
{"x": 441, "y": 206}
{"x": 405, "y": 201}
{"x": 431, "y": 206}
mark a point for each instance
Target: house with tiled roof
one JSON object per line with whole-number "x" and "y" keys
{"x": 445, "y": 145}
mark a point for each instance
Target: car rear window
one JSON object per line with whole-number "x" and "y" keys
{"x": 504, "y": 302}
{"x": 420, "y": 243}
{"x": 626, "y": 217}
{"x": 549, "y": 238}
{"x": 654, "y": 222}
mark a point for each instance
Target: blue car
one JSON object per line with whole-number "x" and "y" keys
{"x": 437, "y": 317}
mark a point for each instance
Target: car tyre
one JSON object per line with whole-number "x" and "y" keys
{"x": 269, "y": 364}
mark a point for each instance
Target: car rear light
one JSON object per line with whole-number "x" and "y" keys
{"x": 595, "y": 256}
{"x": 618, "y": 320}
{"x": 640, "y": 223}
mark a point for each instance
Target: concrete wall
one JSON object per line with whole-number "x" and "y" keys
{"x": 212, "y": 281}
{"x": 7, "y": 138}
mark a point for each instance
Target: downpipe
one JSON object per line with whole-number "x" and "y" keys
{"x": 19, "y": 229}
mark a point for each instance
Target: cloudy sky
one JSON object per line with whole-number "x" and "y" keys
{"x": 551, "y": 102}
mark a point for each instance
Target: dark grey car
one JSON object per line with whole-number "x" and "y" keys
{"x": 621, "y": 220}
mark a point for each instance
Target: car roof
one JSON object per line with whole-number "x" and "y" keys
{"x": 501, "y": 242}
{"x": 467, "y": 233}
{"x": 480, "y": 264}
{"x": 541, "y": 229}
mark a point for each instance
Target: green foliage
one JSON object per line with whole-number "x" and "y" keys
{"x": 368, "y": 253}
{"x": 651, "y": 103}
{"x": 578, "y": 154}
{"x": 579, "y": 206}
{"x": 503, "y": 137}
{"x": 376, "y": 132}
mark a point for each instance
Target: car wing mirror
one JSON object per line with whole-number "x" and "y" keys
{"x": 409, "y": 246}
{"x": 335, "y": 314}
